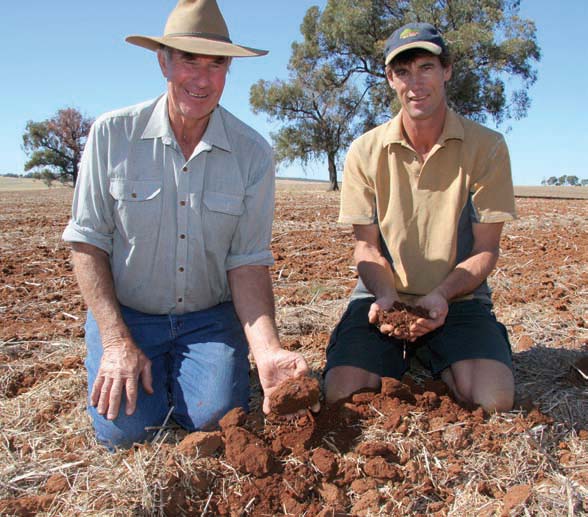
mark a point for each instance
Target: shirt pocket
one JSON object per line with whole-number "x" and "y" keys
{"x": 137, "y": 207}
{"x": 220, "y": 218}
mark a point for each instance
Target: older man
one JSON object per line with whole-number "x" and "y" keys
{"x": 427, "y": 193}
{"x": 170, "y": 230}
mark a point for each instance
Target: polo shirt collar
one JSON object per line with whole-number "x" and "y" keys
{"x": 452, "y": 130}
{"x": 158, "y": 126}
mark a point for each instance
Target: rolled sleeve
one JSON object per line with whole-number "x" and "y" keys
{"x": 92, "y": 220}
{"x": 358, "y": 200}
{"x": 250, "y": 245}
{"x": 493, "y": 192}
{"x": 75, "y": 233}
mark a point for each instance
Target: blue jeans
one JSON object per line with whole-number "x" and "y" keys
{"x": 200, "y": 366}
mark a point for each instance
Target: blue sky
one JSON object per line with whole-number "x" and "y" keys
{"x": 65, "y": 53}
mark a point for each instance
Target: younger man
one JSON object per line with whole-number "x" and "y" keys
{"x": 427, "y": 193}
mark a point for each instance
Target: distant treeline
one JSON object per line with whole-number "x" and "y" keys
{"x": 569, "y": 181}
{"x": 45, "y": 175}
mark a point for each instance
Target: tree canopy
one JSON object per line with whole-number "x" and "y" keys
{"x": 337, "y": 88}
{"x": 56, "y": 145}
{"x": 317, "y": 109}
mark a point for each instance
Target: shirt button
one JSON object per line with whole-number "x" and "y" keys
{"x": 180, "y": 300}
{"x": 185, "y": 169}
{"x": 182, "y": 203}
{"x": 181, "y": 269}
{"x": 182, "y": 236}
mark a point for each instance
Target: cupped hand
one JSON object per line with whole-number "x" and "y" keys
{"x": 276, "y": 367}
{"x": 438, "y": 307}
{"x": 384, "y": 304}
{"x": 121, "y": 366}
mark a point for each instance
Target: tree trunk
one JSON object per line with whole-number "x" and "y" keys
{"x": 332, "y": 172}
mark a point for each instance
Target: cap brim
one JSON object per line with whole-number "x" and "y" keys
{"x": 426, "y": 45}
{"x": 195, "y": 45}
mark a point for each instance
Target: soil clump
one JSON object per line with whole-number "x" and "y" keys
{"x": 295, "y": 394}
{"x": 400, "y": 318}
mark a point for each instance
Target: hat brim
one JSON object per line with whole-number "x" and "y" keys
{"x": 195, "y": 45}
{"x": 426, "y": 45}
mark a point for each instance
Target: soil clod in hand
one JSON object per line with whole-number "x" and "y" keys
{"x": 400, "y": 318}
{"x": 294, "y": 394}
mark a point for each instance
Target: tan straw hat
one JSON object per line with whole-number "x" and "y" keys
{"x": 198, "y": 27}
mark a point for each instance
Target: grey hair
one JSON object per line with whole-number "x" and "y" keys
{"x": 168, "y": 51}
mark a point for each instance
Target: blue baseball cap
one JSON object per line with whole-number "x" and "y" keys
{"x": 414, "y": 35}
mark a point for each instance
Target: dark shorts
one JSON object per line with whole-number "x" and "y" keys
{"x": 470, "y": 331}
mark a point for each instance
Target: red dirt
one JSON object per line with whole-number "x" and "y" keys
{"x": 310, "y": 474}
{"x": 56, "y": 484}
{"x": 295, "y": 394}
{"x": 200, "y": 444}
{"x": 26, "y": 506}
{"x": 400, "y": 318}
{"x": 516, "y": 496}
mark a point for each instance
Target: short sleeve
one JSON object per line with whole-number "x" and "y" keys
{"x": 493, "y": 192}
{"x": 358, "y": 199}
{"x": 251, "y": 241}
{"x": 92, "y": 220}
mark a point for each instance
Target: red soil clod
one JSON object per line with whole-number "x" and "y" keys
{"x": 200, "y": 444}
{"x": 400, "y": 318}
{"x": 234, "y": 418}
{"x": 295, "y": 394}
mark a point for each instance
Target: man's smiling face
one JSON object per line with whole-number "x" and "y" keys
{"x": 420, "y": 86}
{"x": 195, "y": 84}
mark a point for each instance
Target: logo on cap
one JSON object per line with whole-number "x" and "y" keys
{"x": 408, "y": 33}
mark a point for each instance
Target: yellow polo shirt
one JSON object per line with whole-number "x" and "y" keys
{"x": 418, "y": 206}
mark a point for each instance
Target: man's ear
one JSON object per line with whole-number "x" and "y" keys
{"x": 389, "y": 76}
{"x": 447, "y": 72}
{"x": 161, "y": 58}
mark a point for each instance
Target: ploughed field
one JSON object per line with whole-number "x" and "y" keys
{"x": 406, "y": 450}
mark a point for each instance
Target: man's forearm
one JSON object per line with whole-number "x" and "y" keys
{"x": 468, "y": 275}
{"x": 471, "y": 272}
{"x": 253, "y": 298}
{"x": 94, "y": 277}
{"x": 252, "y": 293}
{"x": 375, "y": 272}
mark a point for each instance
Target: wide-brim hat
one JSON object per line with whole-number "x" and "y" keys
{"x": 198, "y": 27}
{"x": 414, "y": 35}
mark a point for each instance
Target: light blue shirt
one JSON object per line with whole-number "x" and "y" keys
{"x": 173, "y": 228}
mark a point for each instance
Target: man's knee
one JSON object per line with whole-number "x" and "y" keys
{"x": 342, "y": 381}
{"x": 206, "y": 416}
{"x": 483, "y": 382}
{"x": 496, "y": 402}
{"x": 122, "y": 432}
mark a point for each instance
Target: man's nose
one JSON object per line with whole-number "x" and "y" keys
{"x": 202, "y": 77}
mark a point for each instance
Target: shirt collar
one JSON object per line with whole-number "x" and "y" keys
{"x": 216, "y": 132}
{"x": 452, "y": 130}
{"x": 158, "y": 126}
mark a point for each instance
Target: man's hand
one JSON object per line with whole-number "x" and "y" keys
{"x": 275, "y": 367}
{"x": 120, "y": 368}
{"x": 437, "y": 306}
{"x": 382, "y": 304}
